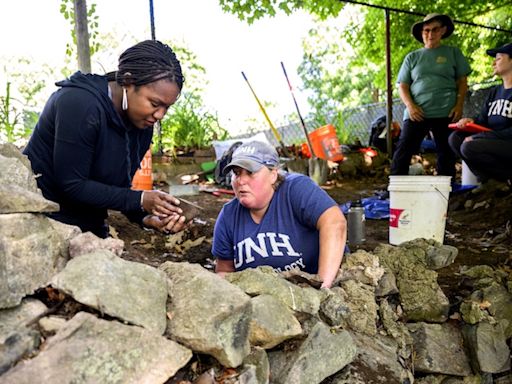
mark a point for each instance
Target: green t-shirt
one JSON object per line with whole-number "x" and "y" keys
{"x": 432, "y": 75}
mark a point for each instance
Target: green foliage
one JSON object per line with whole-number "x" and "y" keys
{"x": 344, "y": 62}
{"x": 189, "y": 127}
{"x": 11, "y": 118}
{"x": 18, "y": 102}
{"x": 67, "y": 10}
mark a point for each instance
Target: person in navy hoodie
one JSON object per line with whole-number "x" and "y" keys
{"x": 489, "y": 154}
{"x": 93, "y": 134}
{"x": 283, "y": 221}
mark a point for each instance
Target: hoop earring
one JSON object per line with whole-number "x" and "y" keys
{"x": 124, "y": 104}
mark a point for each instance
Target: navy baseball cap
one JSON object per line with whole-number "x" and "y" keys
{"x": 507, "y": 48}
{"x": 253, "y": 156}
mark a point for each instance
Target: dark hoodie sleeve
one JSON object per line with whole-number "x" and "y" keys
{"x": 79, "y": 121}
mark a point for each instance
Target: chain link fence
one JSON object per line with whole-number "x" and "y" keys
{"x": 357, "y": 121}
{"x": 354, "y": 129}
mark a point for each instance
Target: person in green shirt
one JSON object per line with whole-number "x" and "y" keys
{"x": 432, "y": 83}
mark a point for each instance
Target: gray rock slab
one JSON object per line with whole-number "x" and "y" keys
{"x": 31, "y": 253}
{"x": 15, "y": 169}
{"x": 90, "y": 350}
{"x": 501, "y": 305}
{"x": 13, "y": 318}
{"x": 259, "y": 360}
{"x": 133, "y": 292}
{"x": 488, "y": 347}
{"x": 15, "y": 199}
{"x": 272, "y": 322}
{"x": 322, "y": 354}
{"x": 21, "y": 342}
{"x": 439, "y": 349}
{"x": 264, "y": 280}
{"x": 377, "y": 361}
{"x": 207, "y": 313}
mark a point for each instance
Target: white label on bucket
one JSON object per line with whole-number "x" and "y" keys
{"x": 400, "y": 218}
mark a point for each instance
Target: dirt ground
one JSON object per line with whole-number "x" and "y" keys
{"x": 481, "y": 232}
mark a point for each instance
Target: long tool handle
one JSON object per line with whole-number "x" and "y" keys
{"x": 272, "y": 127}
{"x": 298, "y": 111}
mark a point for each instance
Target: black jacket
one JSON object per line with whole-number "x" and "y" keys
{"x": 86, "y": 154}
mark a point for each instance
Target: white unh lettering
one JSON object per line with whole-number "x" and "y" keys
{"x": 507, "y": 109}
{"x": 284, "y": 243}
{"x": 247, "y": 249}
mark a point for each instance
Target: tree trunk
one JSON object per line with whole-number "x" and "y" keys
{"x": 82, "y": 36}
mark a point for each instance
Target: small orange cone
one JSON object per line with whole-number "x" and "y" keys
{"x": 143, "y": 178}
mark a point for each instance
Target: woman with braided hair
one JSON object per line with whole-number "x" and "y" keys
{"x": 93, "y": 133}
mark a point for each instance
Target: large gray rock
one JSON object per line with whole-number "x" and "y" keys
{"x": 439, "y": 349}
{"x": 264, "y": 280}
{"x": 207, "y": 313}
{"x": 272, "y": 322}
{"x": 15, "y": 169}
{"x": 501, "y": 305}
{"x": 377, "y": 361}
{"x": 16, "y": 317}
{"x": 488, "y": 347}
{"x": 322, "y": 354}
{"x": 21, "y": 342}
{"x": 14, "y": 199}
{"x": 31, "y": 253}
{"x": 90, "y": 350}
{"x": 134, "y": 292}
{"x": 259, "y": 360}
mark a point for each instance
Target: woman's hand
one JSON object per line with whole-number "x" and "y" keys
{"x": 160, "y": 204}
{"x": 415, "y": 112}
{"x": 456, "y": 113}
{"x": 462, "y": 122}
{"x": 169, "y": 224}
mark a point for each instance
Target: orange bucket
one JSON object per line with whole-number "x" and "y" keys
{"x": 325, "y": 143}
{"x": 143, "y": 178}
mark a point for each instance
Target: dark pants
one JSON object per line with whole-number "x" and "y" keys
{"x": 411, "y": 136}
{"x": 487, "y": 158}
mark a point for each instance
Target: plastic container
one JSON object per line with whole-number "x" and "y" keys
{"x": 356, "y": 223}
{"x": 143, "y": 178}
{"x": 325, "y": 143}
{"x": 468, "y": 177}
{"x": 417, "y": 207}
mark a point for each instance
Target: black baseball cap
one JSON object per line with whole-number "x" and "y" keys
{"x": 507, "y": 48}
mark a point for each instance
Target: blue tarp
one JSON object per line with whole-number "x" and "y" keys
{"x": 375, "y": 207}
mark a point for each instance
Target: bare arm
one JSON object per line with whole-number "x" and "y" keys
{"x": 415, "y": 112}
{"x": 224, "y": 266}
{"x": 462, "y": 89}
{"x": 333, "y": 237}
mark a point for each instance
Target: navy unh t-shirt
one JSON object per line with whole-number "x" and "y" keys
{"x": 286, "y": 237}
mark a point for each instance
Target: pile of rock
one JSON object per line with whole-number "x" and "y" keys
{"x": 386, "y": 320}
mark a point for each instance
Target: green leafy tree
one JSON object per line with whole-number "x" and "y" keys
{"x": 188, "y": 125}
{"x": 19, "y": 99}
{"x": 344, "y": 56}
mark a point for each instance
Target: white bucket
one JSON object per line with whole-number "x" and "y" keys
{"x": 468, "y": 177}
{"x": 417, "y": 207}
